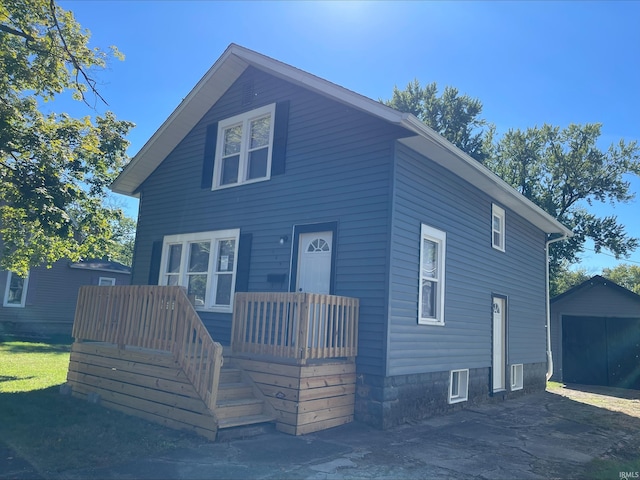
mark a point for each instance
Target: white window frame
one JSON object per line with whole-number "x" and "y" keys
{"x": 458, "y": 385}
{"x": 23, "y": 297}
{"x": 215, "y": 237}
{"x": 106, "y": 281}
{"x": 498, "y": 213}
{"x": 440, "y": 239}
{"x": 517, "y": 376}
{"x": 244, "y": 120}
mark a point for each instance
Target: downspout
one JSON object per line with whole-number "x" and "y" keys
{"x": 548, "y": 306}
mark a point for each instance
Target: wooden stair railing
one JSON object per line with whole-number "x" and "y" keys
{"x": 153, "y": 317}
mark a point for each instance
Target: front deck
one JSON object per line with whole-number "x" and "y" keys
{"x": 144, "y": 350}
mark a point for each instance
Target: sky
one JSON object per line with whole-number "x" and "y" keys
{"x": 529, "y": 63}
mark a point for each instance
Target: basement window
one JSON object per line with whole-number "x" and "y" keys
{"x": 517, "y": 376}
{"x": 458, "y": 385}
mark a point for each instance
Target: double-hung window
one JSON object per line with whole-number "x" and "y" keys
{"x": 15, "y": 293}
{"x": 432, "y": 266}
{"x": 205, "y": 263}
{"x": 497, "y": 227}
{"x": 245, "y": 144}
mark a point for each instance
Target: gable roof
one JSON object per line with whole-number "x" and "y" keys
{"x": 594, "y": 281}
{"x": 236, "y": 59}
{"x": 101, "y": 266}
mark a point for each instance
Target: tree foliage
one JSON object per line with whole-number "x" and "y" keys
{"x": 54, "y": 169}
{"x": 564, "y": 279}
{"x": 625, "y": 275}
{"x": 565, "y": 172}
{"x": 562, "y": 170}
{"x": 456, "y": 117}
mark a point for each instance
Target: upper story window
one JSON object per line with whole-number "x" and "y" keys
{"x": 15, "y": 293}
{"x": 432, "y": 265}
{"x": 205, "y": 263}
{"x": 244, "y": 149}
{"x": 497, "y": 227}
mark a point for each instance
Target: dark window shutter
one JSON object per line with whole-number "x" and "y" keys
{"x": 209, "y": 156}
{"x": 244, "y": 262}
{"x": 280, "y": 129}
{"x": 154, "y": 267}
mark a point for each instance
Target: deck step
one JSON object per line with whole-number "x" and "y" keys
{"x": 244, "y": 420}
{"x": 230, "y": 375}
{"x": 234, "y": 391}
{"x": 239, "y": 408}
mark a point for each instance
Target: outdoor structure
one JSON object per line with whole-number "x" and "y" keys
{"x": 44, "y": 302}
{"x": 350, "y": 260}
{"x": 596, "y": 335}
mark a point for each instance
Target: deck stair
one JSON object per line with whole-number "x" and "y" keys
{"x": 239, "y": 402}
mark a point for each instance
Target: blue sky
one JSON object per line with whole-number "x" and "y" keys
{"x": 528, "y": 62}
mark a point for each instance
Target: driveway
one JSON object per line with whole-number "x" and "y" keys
{"x": 538, "y": 436}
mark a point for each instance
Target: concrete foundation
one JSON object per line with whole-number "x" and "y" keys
{"x": 384, "y": 402}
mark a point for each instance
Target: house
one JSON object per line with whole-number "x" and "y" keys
{"x": 595, "y": 330}
{"x": 269, "y": 180}
{"x": 44, "y": 302}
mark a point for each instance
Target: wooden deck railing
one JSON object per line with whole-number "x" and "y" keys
{"x": 155, "y": 317}
{"x": 299, "y": 326}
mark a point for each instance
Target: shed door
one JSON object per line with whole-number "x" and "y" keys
{"x": 314, "y": 262}
{"x": 601, "y": 351}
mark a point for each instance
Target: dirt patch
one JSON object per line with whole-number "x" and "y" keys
{"x": 613, "y": 401}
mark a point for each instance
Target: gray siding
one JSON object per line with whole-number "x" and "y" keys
{"x": 52, "y": 294}
{"x": 337, "y": 170}
{"x": 426, "y": 193}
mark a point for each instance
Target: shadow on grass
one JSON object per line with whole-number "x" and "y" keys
{"x": 57, "y": 432}
{"x": 15, "y": 346}
{"x": 626, "y": 393}
{"x": 619, "y": 432}
{"x": 11, "y": 378}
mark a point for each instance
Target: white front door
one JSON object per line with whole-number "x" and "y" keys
{"x": 499, "y": 365}
{"x": 314, "y": 262}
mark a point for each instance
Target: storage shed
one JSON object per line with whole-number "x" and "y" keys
{"x": 596, "y": 335}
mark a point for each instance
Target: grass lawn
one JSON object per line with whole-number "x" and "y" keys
{"x": 56, "y": 432}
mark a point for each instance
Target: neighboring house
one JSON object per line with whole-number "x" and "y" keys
{"x": 269, "y": 179}
{"x": 44, "y": 302}
{"x": 595, "y": 332}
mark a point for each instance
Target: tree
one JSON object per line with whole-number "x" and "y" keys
{"x": 455, "y": 117}
{"x": 564, "y": 279}
{"x": 54, "y": 169}
{"x": 124, "y": 236}
{"x": 564, "y": 172}
{"x": 625, "y": 275}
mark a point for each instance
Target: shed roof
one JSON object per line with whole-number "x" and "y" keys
{"x": 236, "y": 59}
{"x": 595, "y": 281}
{"x": 102, "y": 266}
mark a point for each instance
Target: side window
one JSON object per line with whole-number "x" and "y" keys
{"x": 106, "y": 281}
{"x": 15, "y": 294}
{"x": 245, "y": 144}
{"x": 497, "y": 227}
{"x": 432, "y": 268}
{"x": 204, "y": 263}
